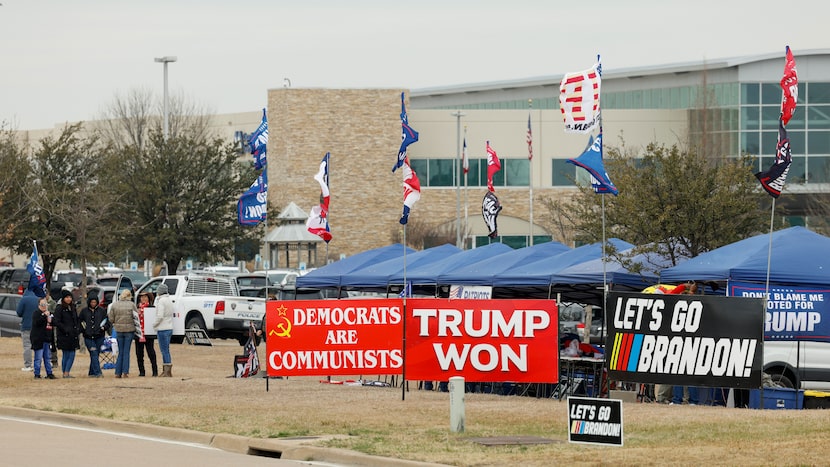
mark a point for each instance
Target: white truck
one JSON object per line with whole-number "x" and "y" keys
{"x": 207, "y": 301}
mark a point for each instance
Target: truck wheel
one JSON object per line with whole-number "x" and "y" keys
{"x": 782, "y": 380}
{"x": 196, "y": 322}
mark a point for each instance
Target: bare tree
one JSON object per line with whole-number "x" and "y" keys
{"x": 129, "y": 118}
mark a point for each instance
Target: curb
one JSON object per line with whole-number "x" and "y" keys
{"x": 280, "y": 448}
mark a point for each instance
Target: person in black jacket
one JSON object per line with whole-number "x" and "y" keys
{"x": 41, "y": 339}
{"x": 68, "y": 328}
{"x": 94, "y": 324}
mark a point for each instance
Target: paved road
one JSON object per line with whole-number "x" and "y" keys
{"x": 36, "y": 443}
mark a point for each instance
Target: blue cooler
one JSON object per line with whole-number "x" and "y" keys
{"x": 777, "y": 398}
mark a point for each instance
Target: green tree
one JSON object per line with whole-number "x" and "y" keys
{"x": 14, "y": 177}
{"x": 71, "y": 209}
{"x": 183, "y": 195}
{"x": 673, "y": 201}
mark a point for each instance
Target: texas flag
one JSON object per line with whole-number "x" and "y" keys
{"x": 318, "y": 221}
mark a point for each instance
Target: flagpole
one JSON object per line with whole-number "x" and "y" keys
{"x": 530, "y": 168}
{"x": 466, "y": 194}
{"x": 457, "y": 177}
{"x": 403, "y": 349}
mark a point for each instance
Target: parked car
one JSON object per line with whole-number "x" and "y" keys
{"x": 14, "y": 280}
{"x": 291, "y": 292}
{"x": 572, "y": 321}
{"x": 138, "y": 278}
{"x": 9, "y": 321}
{"x": 281, "y": 276}
{"x": 249, "y": 285}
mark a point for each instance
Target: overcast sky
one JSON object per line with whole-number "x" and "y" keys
{"x": 65, "y": 60}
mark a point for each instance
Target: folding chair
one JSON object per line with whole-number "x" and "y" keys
{"x": 109, "y": 350}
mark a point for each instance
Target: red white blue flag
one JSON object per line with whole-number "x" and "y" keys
{"x": 318, "y": 220}
{"x": 37, "y": 280}
{"x": 591, "y": 160}
{"x": 411, "y": 190}
{"x": 493, "y": 166}
{"x": 789, "y": 84}
{"x": 773, "y": 179}
{"x": 465, "y": 162}
{"x": 408, "y": 136}
{"x": 579, "y": 94}
{"x": 253, "y": 204}
{"x": 529, "y": 139}
{"x": 259, "y": 143}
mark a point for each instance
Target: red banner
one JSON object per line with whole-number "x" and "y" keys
{"x": 333, "y": 337}
{"x": 482, "y": 340}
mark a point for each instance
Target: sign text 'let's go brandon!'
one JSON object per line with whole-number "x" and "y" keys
{"x": 688, "y": 340}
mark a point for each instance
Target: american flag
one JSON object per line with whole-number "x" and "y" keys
{"x": 251, "y": 365}
{"x": 465, "y": 163}
{"x": 529, "y": 139}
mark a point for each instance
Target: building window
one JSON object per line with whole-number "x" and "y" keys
{"x": 819, "y": 93}
{"x": 818, "y": 142}
{"x": 516, "y": 172}
{"x": 564, "y": 173}
{"x": 440, "y": 172}
{"x": 819, "y": 170}
{"x": 750, "y": 94}
{"x": 818, "y": 117}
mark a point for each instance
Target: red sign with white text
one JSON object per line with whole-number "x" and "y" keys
{"x": 482, "y": 340}
{"x": 334, "y": 337}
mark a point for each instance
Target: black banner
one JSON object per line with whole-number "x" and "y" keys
{"x": 597, "y": 421}
{"x": 685, "y": 340}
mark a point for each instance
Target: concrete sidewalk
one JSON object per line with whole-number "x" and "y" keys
{"x": 297, "y": 448}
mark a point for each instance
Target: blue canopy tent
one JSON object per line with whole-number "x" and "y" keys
{"x": 533, "y": 279}
{"x": 424, "y": 277}
{"x": 583, "y": 282}
{"x": 376, "y": 276}
{"x": 330, "y": 276}
{"x": 485, "y": 271}
{"x": 799, "y": 257}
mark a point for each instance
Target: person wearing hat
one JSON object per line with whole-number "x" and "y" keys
{"x": 95, "y": 324}
{"x": 123, "y": 315}
{"x": 143, "y": 341}
{"x": 68, "y": 330}
{"x": 26, "y": 309}
{"x": 164, "y": 328}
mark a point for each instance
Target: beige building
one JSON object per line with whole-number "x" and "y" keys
{"x": 736, "y": 100}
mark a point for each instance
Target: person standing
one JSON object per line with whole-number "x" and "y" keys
{"x": 68, "y": 329}
{"x": 164, "y": 328}
{"x": 94, "y": 323}
{"x": 41, "y": 339}
{"x": 123, "y": 315}
{"x": 26, "y": 309}
{"x": 143, "y": 341}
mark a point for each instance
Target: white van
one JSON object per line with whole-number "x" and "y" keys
{"x": 805, "y": 363}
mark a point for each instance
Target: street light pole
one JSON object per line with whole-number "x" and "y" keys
{"x": 166, "y": 59}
